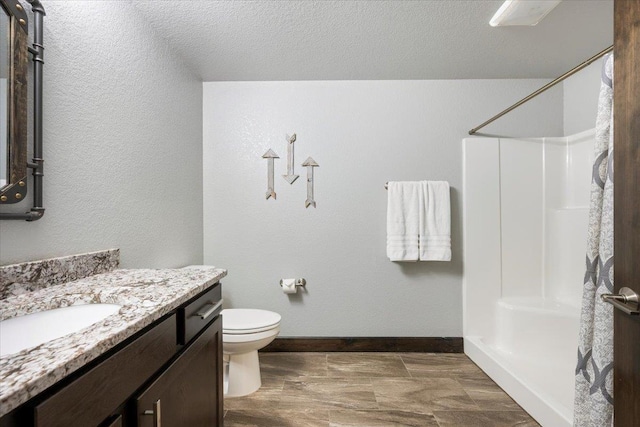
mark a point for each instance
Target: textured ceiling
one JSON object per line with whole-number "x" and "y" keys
{"x": 341, "y": 40}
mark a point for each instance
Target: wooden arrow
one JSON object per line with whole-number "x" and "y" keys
{"x": 290, "y": 176}
{"x": 270, "y": 156}
{"x": 310, "y": 164}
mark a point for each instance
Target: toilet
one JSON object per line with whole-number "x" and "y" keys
{"x": 244, "y": 332}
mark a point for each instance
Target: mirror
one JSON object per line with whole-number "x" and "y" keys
{"x": 13, "y": 102}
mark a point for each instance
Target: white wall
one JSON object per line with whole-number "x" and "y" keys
{"x": 362, "y": 134}
{"x": 122, "y": 143}
{"x": 581, "y": 99}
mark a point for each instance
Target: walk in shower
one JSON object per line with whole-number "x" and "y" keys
{"x": 526, "y": 212}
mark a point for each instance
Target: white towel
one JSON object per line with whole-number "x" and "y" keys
{"x": 435, "y": 221}
{"x": 403, "y": 220}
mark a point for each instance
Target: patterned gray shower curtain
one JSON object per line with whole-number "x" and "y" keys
{"x": 594, "y": 372}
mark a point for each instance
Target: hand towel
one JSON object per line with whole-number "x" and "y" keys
{"x": 403, "y": 220}
{"x": 435, "y": 221}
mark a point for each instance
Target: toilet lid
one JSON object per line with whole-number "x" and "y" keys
{"x": 248, "y": 320}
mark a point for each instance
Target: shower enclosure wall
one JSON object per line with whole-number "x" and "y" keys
{"x": 525, "y": 221}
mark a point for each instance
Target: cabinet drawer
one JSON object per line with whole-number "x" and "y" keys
{"x": 193, "y": 317}
{"x": 91, "y": 398}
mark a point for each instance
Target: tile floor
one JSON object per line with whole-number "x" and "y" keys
{"x": 373, "y": 390}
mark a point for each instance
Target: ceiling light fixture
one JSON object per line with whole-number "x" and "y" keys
{"x": 522, "y": 12}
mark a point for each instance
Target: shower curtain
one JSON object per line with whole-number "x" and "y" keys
{"x": 594, "y": 372}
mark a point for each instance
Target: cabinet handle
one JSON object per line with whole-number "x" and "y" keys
{"x": 156, "y": 412}
{"x": 202, "y": 314}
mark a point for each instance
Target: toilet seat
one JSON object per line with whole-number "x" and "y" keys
{"x": 243, "y": 321}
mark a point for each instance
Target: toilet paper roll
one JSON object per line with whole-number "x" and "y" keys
{"x": 289, "y": 286}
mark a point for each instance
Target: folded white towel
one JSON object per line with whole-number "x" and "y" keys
{"x": 403, "y": 220}
{"x": 435, "y": 221}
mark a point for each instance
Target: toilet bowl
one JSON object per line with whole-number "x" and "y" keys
{"x": 244, "y": 332}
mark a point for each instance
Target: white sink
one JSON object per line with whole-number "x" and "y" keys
{"x": 19, "y": 333}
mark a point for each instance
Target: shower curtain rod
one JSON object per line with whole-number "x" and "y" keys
{"x": 544, "y": 88}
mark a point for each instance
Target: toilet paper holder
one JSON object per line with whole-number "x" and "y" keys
{"x": 299, "y": 282}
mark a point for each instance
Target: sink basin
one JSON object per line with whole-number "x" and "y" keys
{"x": 19, "y": 333}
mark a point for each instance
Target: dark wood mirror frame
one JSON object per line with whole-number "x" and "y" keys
{"x": 16, "y": 188}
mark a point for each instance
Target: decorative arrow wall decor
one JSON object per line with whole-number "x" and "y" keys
{"x": 270, "y": 156}
{"x": 290, "y": 176}
{"x": 310, "y": 164}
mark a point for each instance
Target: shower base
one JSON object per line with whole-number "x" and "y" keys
{"x": 530, "y": 356}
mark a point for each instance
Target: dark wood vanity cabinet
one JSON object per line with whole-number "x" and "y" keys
{"x": 115, "y": 421}
{"x": 189, "y": 391}
{"x": 168, "y": 375}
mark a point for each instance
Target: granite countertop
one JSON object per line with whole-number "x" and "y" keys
{"x": 145, "y": 296}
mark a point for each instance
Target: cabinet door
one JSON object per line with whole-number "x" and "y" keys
{"x": 115, "y": 421}
{"x": 92, "y": 397}
{"x": 189, "y": 391}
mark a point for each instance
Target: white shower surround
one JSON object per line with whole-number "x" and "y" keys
{"x": 525, "y": 215}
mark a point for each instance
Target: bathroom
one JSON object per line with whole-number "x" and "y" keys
{"x": 156, "y": 117}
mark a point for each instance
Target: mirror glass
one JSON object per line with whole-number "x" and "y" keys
{"x": 14, "y": 68}
{"x": 5, "y": 70}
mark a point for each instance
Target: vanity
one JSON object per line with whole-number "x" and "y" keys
{"x": 156, "y": 362}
